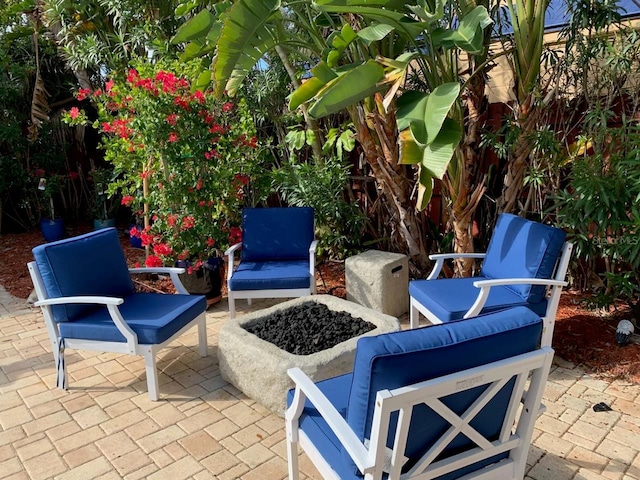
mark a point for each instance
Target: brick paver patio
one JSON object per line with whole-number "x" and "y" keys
{"x": 105, "y": 426}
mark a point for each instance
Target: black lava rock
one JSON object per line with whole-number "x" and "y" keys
{"x": 308, "y": 328}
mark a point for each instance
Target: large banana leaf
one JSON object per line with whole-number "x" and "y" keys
{"x": 348, "y": 89}
{"x": 469, "y": 35}
{"x": 246, "y": 25}
{"x": 196, "y": 28}
{"x": 400, "y": 22}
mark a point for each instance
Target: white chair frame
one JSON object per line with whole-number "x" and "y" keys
{"x": 234, "y": 295}
{"x": 370, "y": 459}
{"x": 131, "y": 346}
{"x": 554, "y": 290}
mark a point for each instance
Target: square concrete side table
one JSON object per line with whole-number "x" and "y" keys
{"x": 379, "y": 280}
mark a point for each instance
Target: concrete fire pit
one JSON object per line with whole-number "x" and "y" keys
{"x": 259, "y": 368}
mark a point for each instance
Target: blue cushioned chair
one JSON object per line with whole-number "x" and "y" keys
{"x": 278, "y": 255}
{"x": 525, "y": 264}
{"x": 439, "y": 402}
{"x": 85, "y": 291}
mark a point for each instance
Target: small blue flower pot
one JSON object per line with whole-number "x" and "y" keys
{"x": 52, "y": 230}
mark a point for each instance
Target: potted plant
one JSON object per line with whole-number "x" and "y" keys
{"x": 51, "y": 226}
{"x": 104, "y": 205}
{"x": 183, "y": 161}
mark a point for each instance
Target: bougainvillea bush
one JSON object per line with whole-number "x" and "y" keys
{"x": 184, "y": 159}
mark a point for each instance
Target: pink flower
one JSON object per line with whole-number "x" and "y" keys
{"x": 153, "y": 261}
{"x": 109, "y": 85}
{"x": 227, "y": 107}
{"x": 74, "y": 112}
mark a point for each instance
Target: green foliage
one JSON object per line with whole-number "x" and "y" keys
{"x": 600, "y": 205}
{"x": 321, "y": 185}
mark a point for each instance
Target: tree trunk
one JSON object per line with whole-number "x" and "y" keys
{"x": 465, "y": 188}
{"x": 378, "y": 137}
{"x": 518, "y": 164}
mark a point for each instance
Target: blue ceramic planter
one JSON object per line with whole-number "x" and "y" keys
{"x": 52, "y": 230}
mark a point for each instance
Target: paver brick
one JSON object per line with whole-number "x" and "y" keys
{"x": 131, "y": 462}
{"x": 255, "y": 455}
{"x": 200, "y": 444}
{"x": 180, "y": 470}
{"x": 44, "y": 466}
{"x": 82, "y": 455}
{"x": 160, "y": 438}
{"x": 616, "y": 451}
{"x": 91, "y": 469}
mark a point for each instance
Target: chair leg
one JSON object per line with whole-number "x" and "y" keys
{"x": 152, "y": 373}
{"x": 414, "y": 316}
{"x": 232, "y": 305}
{"x": 202, "y": 335}
{"x": 292, "y": 451}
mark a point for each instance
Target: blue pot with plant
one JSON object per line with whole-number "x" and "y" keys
{"x": 52, "y": 227}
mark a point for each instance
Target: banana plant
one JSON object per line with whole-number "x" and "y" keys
{"x": 428, "y": 134}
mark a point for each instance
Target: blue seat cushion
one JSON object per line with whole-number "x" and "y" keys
{"x": 90, "y": 264}
{"x": 154, "y": 317}
{"x": 398, "y": 359}
{"x": 450, "y": 298}
{"x": 276, "y": 233}
{"x": 276, "y": 275}
{"x": 520, "y": 248}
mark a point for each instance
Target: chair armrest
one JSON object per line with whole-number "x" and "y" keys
{"x": 313, "y": 247}
{"x": 231, "y": 253}
{"x": 441, "y": 257}
{"x": 232, "y": 249}
{"x": 112, "y": 306}
{"x": 312, "y": 262}
{"x": 485, "y": 288}
{"x": 80, "y": 299}
{"x": 305, "y": 388}
{"x": 172, "y": 271}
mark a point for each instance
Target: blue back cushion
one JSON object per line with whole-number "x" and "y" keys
{"x": 90, "y": 264}
{"x": 520, "y": 248}
{"x": 276, "y": 233}
{"x": 399, "y": 359}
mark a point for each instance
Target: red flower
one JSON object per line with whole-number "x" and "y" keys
{"x": 202, "y": 203}
{"x": 210, "y": 242}
{"x": 74, "y": 112}
{"x": 235, "y": 235}
{"x": 188, "y": 222}
{"x": 172, "y": 119}
{"x": 171, "y": 219}
{"x": 227, "y": 107}
{"x": 128, "y": 200}
{"x": 162, "y": 249}
{"x": 199, "y": 184}
{"x": 73, "y": 175}
{"x": 132, "y": 76}
{"x": 211, "y": 154}
{"x": 153, "y": 261}
{"x": 134, "y": 232}
{"x": 109, "y": 85}
{"x": 83, "y": 93}
{"x": 243, "y": 179}
{"x": 199, "y": 96}
{"x": 172, "y": 137}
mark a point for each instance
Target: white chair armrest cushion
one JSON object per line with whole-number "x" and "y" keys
{"x": 157, "y": 270}
{"x": 446, "y": 256}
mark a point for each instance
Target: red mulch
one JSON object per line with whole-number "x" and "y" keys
{"x": 581, "y": 336}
